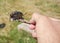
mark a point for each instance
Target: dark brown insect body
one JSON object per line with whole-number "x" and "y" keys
{"x": 16, "y": 15}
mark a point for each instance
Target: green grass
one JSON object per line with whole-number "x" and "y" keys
{"x": 9, "y": 34}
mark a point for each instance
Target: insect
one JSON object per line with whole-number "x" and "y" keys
{"x": 17, "y": 15}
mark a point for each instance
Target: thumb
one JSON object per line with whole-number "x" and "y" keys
{"x": 34, "y": 18}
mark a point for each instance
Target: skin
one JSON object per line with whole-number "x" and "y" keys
{"x": 46, "y": 29}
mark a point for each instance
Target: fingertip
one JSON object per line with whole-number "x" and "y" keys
{"x": 32, "y": 21}
{"x": 32, "y": 27}
{"x": 34, "y": 34}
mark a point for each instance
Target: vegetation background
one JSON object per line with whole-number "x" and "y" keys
{"x": 10, "y": 34}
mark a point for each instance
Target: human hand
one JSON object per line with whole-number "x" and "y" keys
{"x": 46, "y": 29}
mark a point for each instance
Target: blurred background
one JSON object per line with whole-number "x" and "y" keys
{"x": 10, "y": 34}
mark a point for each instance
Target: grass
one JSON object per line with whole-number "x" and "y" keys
{"x": 9, "y": 34}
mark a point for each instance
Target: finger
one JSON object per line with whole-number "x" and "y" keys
{"x": 34, "y": 18}
{"x": 32, "y": 26}
{"x": 32, "y": 21}
{"x": 34, "y": 34}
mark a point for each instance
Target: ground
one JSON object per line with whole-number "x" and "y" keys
{"x": 9, "y": 34}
